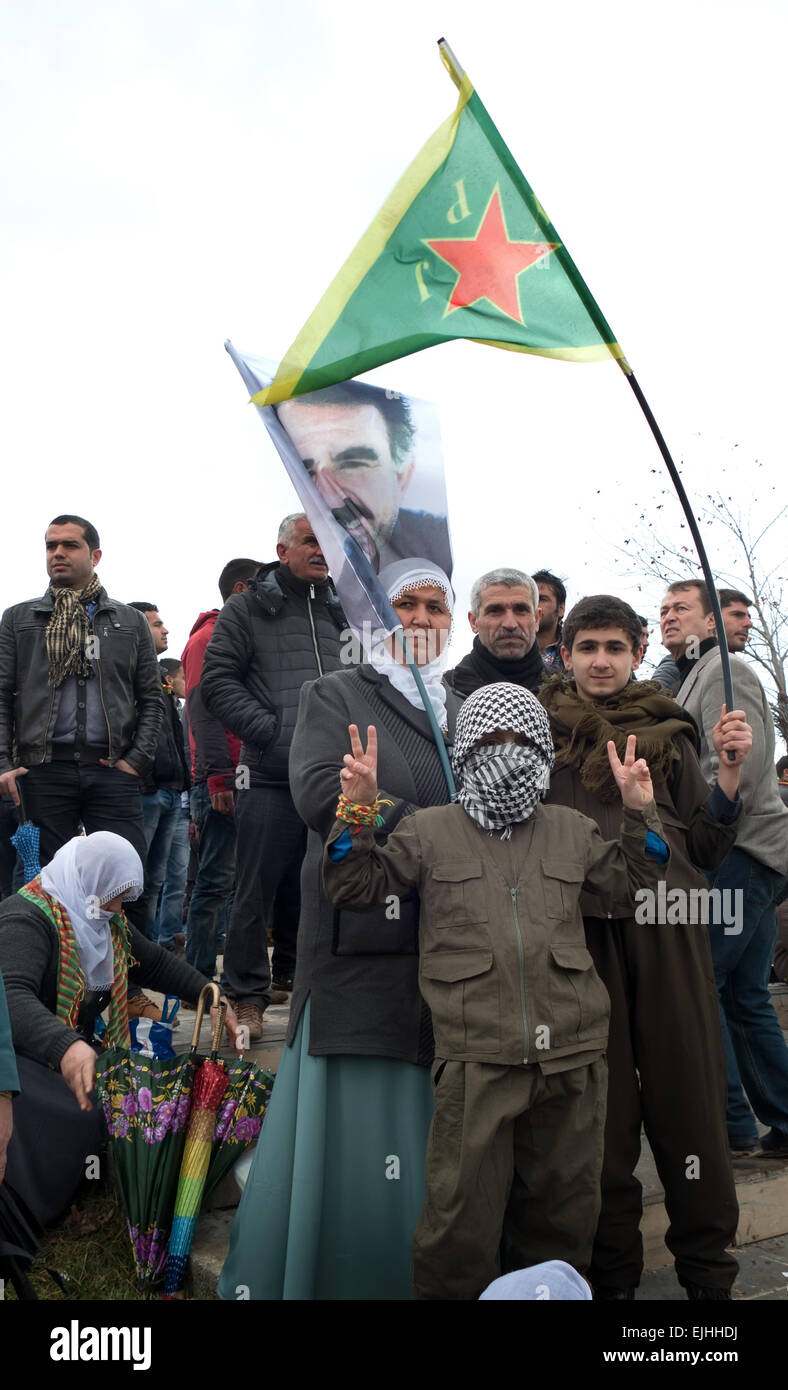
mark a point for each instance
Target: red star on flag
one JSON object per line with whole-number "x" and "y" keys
{"x": 489, "y": 263}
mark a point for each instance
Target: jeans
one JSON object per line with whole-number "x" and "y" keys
{"x": 270, "y": 847}
{"x": 214, "y": 882}
{"x": 160, "y": 811}
{"x": 170, "y": 918}
{"x": 59, "y": 796}
{"x": 755, "y": 1050}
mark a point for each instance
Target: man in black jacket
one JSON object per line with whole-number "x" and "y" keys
{"x": 504, "y": 616}
{"x": 80, "y": 701}
{"x": 283, "y": 631}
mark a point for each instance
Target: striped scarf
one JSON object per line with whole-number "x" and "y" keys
{"x": 68, "y": 631}
{"x": 71, "y": 982}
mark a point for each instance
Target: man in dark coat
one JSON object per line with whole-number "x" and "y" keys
{"x": 284, "y": 630}
{"x": 665, "y": 1055}
{"x": 80, "y": 700}
{"x": 504, "y": 617}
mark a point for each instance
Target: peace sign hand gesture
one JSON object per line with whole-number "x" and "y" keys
{"x": 632, "y": 777}
{"x": 359, "y": 776}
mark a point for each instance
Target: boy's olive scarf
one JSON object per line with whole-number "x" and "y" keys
{"x": 581, "y": 729}
{"x": 68, "y": 630}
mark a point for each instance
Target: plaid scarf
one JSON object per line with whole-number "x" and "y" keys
{"x": 501, "y": 784}
{"x": 68, "y": 631}
{"x": 71, "y": 983}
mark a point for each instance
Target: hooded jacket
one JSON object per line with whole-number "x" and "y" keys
{"x": 265, "y": 644}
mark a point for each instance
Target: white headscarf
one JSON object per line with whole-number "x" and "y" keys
{"x": 397, "y": 579}
{"x": 87, "y": 872}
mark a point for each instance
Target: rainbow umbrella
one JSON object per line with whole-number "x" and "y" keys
{"x": 210, "y": 1084}
{"x": 146, "y": 1103}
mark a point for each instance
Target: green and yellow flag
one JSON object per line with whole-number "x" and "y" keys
{"x": 461, "y": 249}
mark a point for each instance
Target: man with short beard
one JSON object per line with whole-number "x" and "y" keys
{"x": 80, "y": 700}
{"x": 504, "y": 617}
{"x": 552, "y": 601}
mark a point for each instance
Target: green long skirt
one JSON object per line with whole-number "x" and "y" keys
{"x": 336, "y": 1187}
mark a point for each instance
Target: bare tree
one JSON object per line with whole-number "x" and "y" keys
{"x": 649, "y": 553}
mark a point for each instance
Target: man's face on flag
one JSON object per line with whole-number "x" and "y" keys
{"x": 347, "y": 452}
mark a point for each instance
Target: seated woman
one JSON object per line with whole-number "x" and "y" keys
{"x": 67, "y": 954}
{"x": 337, "y": 1184}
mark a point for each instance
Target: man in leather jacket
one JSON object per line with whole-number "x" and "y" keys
{"x": 80, "y": 699}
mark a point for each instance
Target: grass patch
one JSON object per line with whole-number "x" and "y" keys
{"x": 90, "y": 1248}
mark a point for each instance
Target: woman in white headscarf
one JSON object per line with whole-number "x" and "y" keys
{"x": 332, "y": 1199}
{"x": 67, "y": 954}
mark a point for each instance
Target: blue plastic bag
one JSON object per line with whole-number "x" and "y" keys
{"x": 154, "y": 1039}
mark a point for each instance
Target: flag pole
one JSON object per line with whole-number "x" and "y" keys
{"x": 695, "y": 532}
{"x": 603, "y": 328}
{"x": 437, "y": 733}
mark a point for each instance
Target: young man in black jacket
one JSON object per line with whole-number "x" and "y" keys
{"x": 286, "y": 629}
{"x": 80, "y": 700}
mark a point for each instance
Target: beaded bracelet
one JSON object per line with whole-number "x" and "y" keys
{"x": 358, "y": 813}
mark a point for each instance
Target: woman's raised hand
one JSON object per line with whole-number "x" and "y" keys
{"x": 632, "y": 776}
{"x": 359, "y": 776}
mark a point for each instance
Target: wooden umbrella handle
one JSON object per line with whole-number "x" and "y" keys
{"x": 211, "y": 989}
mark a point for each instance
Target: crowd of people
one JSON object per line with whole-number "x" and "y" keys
{"x": 491, "y": 995}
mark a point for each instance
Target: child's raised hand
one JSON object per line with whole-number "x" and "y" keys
{"x": 359, "y": 776}
{"x": 632, "y": 776}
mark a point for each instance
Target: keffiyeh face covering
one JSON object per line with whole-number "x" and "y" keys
{"x": 500, "y": 784}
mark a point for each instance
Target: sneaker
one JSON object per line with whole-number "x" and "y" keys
{"x": 775, "y": 1144}
{"x": 278, "y": 995}
{"x": 250, "y": 1016}
{"x": 697, "y": 1291}
{"x": 140, "y": 1006}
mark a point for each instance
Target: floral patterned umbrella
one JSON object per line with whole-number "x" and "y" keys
{"x": 146, "y": 1103}
{"x": 241, "y": 1113}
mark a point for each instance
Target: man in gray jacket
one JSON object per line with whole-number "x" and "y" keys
{"x": 80, "y": 699}
{"x": 753, "y": 879}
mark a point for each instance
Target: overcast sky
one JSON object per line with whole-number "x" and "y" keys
{"x": 176, "y": 173}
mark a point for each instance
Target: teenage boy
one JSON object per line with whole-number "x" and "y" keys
{"x": 519, "y": 1014}
{"x": 665, "y": 1055}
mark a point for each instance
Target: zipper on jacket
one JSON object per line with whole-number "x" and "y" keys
{"x": 48, "y": 723}
{"x": 521, "y": 958}
{"x": 312, "y": 624}
{"x": 104, "y": 707}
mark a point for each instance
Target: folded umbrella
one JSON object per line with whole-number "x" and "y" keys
{"x": 241, "y": 1114}
{"x": 27, "y": 842}
{"x": 146, "y": 1103}
{"x": 210, "y": 1084}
